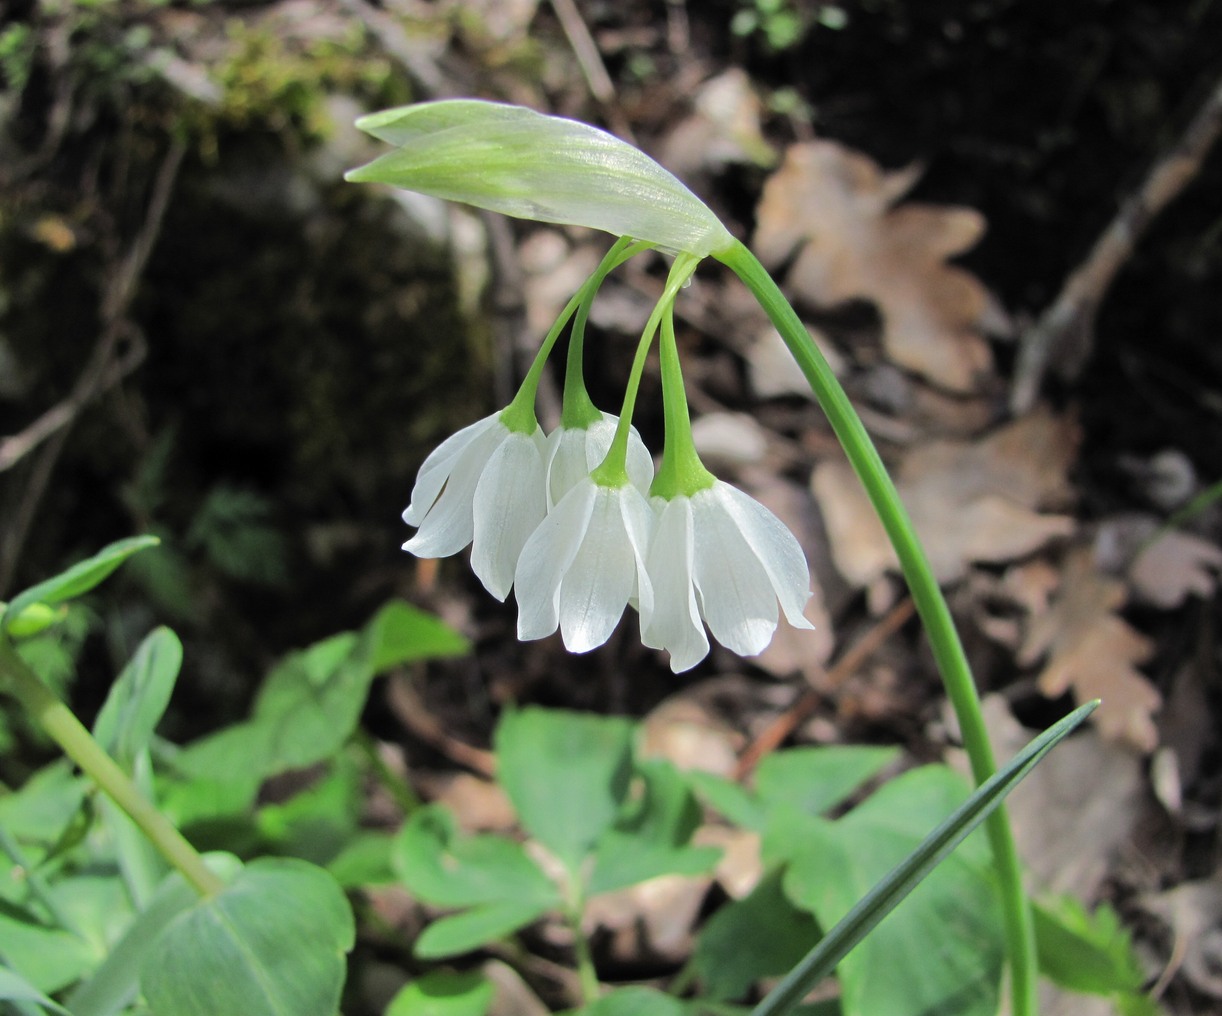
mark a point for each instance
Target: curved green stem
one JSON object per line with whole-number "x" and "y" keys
{"x": 681, "y": 471}
{"x": 78, "y": 744}
{"x": 930, "y": 604}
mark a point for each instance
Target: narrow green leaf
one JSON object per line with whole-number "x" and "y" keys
{"x": 78, "y": 579}
{"x": 14, "y": 988}
{"x": 272, "y": 943}
{"x": 888, "y": 893}
{"x": 444, "y": 993}
{"x": 460, "y": 933}
{"x": 139, "y": 696}
{"x": 567, "y": 775}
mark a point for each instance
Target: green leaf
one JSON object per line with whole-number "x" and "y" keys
{"x": 446, "y": 869}
{"x": 78, "y": 579}
{"x": 515, "y": 161}
{"x": 48, "y": 958}
{"x": 34, "y": 619}
{"x": 1085, "y": 952}
{"x": 635, "y": 1001}
{"x": 443, "y": 993}
{"x": 738, "y": 804}
{"x": 651, "y": 838}
{"x": 14, "y": 988}
{"x": 400, "y": 633}
{"x": 271, "y": 943}
{"x": 139, "y": 696}
{"x": 761, "y": 935}
{"x": 364, "y": 861}
{"x": 460, "y": 933}
{"x": 316, "y": 822}
{"x": 815, "y": 780}
{"x": 567, "y": 775}
{"x": 834, "y": 864}
{"x": 866, "y": 914}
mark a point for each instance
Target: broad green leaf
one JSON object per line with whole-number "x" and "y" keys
{"x": 567, "y": 775}
{"x": 1085, "y": 952}
{"x": 315, "y": 823}
{"x": 831, "y": 865}
{"x": 364, "y": 861}
{"x": 14, "y": 988}
{"x": 460, "y": 933}
{"x": 401, "y": 633}
{"x": 271, "y": 943}
{"x": 761, "y": 935}
{"x": 48, "y": 958}
{"x": 635, "y": 1001}
{"x": 651, "y": 838}
{"x": 139, "y": 696}
{"x": 78, "y": 579}
{"x": 446, "y": 869}
{"x": 217, "y": 775}
{"x": 814, "y": 780}
{"x": 443, "y": 993}
{"x": 515, "y": 161}
{"x": 885, "y": 896}
{"x": 47, "y": 802}
{"x": 733, "y": 800}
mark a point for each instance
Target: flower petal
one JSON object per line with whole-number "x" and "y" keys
{"x": 776, "y": 547}
{"x": 596, "y": 589}
{"x": 449, "y": 524}
{"x": 674, "y": 621}
{"x": 547, "y": 557}
{"x": 566, "y": 462}
{"x": 509, "y": 504}
{"x": 736, "y": 595}
{"x": 437, "y": 467}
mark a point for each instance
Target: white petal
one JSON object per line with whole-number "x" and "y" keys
{"x": 777, "y": 549}
{"x": 674, "y": 622}
{"x": 546, "y": 558}
{"x": 736, "y": 595}
{"x": 640, "y": 462}
{"x": 436, "y": 468}
{"x": 566, "y": 462}
{"x": 449, "y": 524}
{"x": 595, "y": 591}
{"x": 509, "y": 505}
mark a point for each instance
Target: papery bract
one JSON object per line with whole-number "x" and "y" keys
{"x": 720, "y": 556}
{"x": 483, "y": 486}
{"x": 573, "y": 453}
{"x": 512, "y": 160}
{"x": 583, "y": 564}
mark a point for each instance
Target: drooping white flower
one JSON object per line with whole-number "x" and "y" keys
{"x": 720, "y": 556}
{"x": 572, "y": 454}
{"x": 583, "y": 564}
{"x": 483, "y": 486}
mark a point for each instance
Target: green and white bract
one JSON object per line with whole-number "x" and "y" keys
{"x": 583, "y": 564}
{"x": 512, "y": 160}
{"x": 483, "y": 486}
{"x": 720, "y": 556}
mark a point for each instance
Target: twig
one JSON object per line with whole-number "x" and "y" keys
{"x": 592, "y": 66}
{"x": 852, "y": 661}
{"x": 1063, "y": 336}
{"x": 115, "y": 301}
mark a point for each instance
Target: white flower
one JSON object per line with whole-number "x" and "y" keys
{"x": 483, "y": 486}
{"x": 721, "y": 556}
{"x": 573, "y": 454}
{"x": 583, "y": 564}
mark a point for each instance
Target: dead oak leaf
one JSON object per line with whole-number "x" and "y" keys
{"x": 1173, "y": 567}
{"x": 1090, "y": 649}
{"x": 835, "y": 212}
{"x": 970, "y": 501}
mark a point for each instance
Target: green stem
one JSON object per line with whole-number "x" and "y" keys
{"x": 681, "y": 472}
{"x": 78, "y": 744}
{"x": 587, "y": 975}
{"x": 930, "y": 604}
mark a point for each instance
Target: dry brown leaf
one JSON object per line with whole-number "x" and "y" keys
{"x": 970, "y": 501}
{"x": 723, "y": 129}
{"x": 1193, "y": 910}
{"x": 1092, "y": 651}
{"x": 835, "y": 209}
{"x": 1174, "y": 567}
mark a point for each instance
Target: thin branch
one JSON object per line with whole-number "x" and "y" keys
{"x": 592, "y": 66}
{"x": 1063, "y": 336}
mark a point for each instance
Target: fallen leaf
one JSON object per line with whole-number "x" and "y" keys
{"x": 1193, "y": 911}
{"x": 729, "y": 439}
{"x": 773, "y": 371}
{"x": 1175, "y": 566}
{"x": 835, "y": 209}
{"x": 724, "y": 129}
{"x": 970, "y": 501}
{"x": 1090, "y": 649}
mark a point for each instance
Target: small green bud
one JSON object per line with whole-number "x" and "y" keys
{"x": 512, "y": 160}
{"x": 32, "y": 620}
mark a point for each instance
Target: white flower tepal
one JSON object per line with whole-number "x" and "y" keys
{"x": 573, "y": 453}
{"x": 583, "y": 564}
{"x": 483, "y": 486}
{"x": 720, "y": 555}
{"x": 512, "y": 160}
